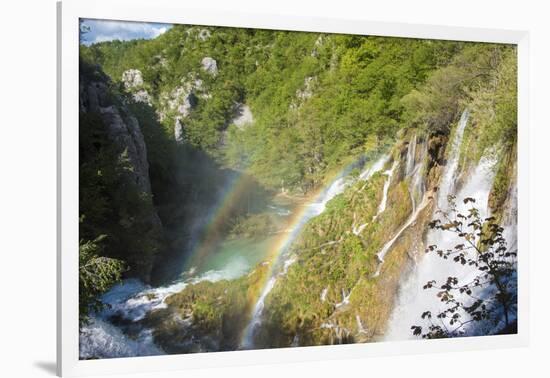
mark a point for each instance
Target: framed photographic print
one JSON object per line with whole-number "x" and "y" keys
{"x": 240, "y": 188}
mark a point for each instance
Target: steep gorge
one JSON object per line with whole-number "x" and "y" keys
{"x": 314, "y": 236}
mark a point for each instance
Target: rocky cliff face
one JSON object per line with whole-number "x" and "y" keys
{"x": 124, "y": 135}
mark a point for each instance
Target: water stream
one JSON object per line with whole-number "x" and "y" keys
{"x": 283, "y": 261}
{"x": 115, "y": 332}
{"x": 412, "y": 299}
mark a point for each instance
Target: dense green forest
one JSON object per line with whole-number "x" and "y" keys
{"x": 167, "y": 125}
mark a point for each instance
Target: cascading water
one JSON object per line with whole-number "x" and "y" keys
{"x": 448, "y": 180}
{"x": 414, "y": 171}
{"x": 283, "y": 261}
{"x": 130, "y": 301}
{"x": 411, "y": 156}
{"x": 389, "y": 175}
{"x": 312, "y": 210}
{"x": 412, "y": 299}
{"x": 376, "y": 167}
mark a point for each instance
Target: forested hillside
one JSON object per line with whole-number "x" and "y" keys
{"x": 321, "y": 158}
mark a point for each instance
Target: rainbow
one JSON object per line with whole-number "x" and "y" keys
{"x": 219, "y": 214}
{"x": 210, "y": 236}
{"x": 299, "y": 219}
{"x": 312, "y": 206}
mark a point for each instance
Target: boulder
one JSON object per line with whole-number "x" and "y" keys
{"x": 210, "y": 65}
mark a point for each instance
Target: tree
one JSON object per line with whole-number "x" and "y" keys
{"x": 96, "y": 275}
{"x": 491, "y": 295}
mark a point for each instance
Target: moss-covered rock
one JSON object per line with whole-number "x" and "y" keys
{"x": 207, "y": 316}
{"x": 505, "y": 179}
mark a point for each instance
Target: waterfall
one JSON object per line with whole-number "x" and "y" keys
{"x": 416, "y": 174}
{"x": 376, "y": 167}
{"x": 312, "y": 210}
{"x": 360, "y": 328}
{"x": 283, "y": 260}
{"x": 130, "y": 301}
{"x": 389, "y": 174}
{"x": 414, "y": 171}
{"x": 448, "y": 180}
{"x": 345, "y": 299}
{"x": 385, "y": 249}
{"x": 324, "y": 294}
{"x": 412, "y": 299}
{"x": 411, "y": 156}
{"x": 356, "y": 230}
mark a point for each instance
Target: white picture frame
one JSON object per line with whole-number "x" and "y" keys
{"x": 166, "y": 11}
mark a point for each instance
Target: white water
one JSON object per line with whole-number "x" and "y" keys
{"x": 324, "y": 294}
{"x": 130, "y": 301}
{"x": 413, "y": 170}
{"x": 345, "y": 299}
{"x": 356, "y": 230}
{"x": 100, "y": 339}
{"x": 312, "y": 210}
{"x": 366, "y": 175}
{"x": 411, "y": 156}
{"x": 376, "y": 167}
{"x": 412, "y": 299}
{"x": 383, "y": 203}
{"x": 385, "y": 249}
{"x": 360, "y": 328}
{"x": 448, "y": 180}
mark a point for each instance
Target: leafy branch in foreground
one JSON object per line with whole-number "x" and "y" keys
{"x": 491, "y": 294}
{"x": 96, "y": 275}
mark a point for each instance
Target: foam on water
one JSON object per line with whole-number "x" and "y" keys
{"x": 412, "y": 299}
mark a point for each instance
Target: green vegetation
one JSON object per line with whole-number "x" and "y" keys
{"x": 217, "y": 312}
{"x": 317, "y": 98}
{"x": 319, "y": 102}
{"x": 111, "y": 203}
{"x": 96, "y": 274}
{"x": 483, "y": 247}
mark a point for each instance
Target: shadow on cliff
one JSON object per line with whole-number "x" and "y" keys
{"x": 183, "y": 186}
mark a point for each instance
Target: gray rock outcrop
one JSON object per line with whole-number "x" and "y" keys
{"x": 210, "y": 65}
{"x": 181, "y": 101}
{"x": 124, "y": 131}
{"x": 132, "y": 80}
